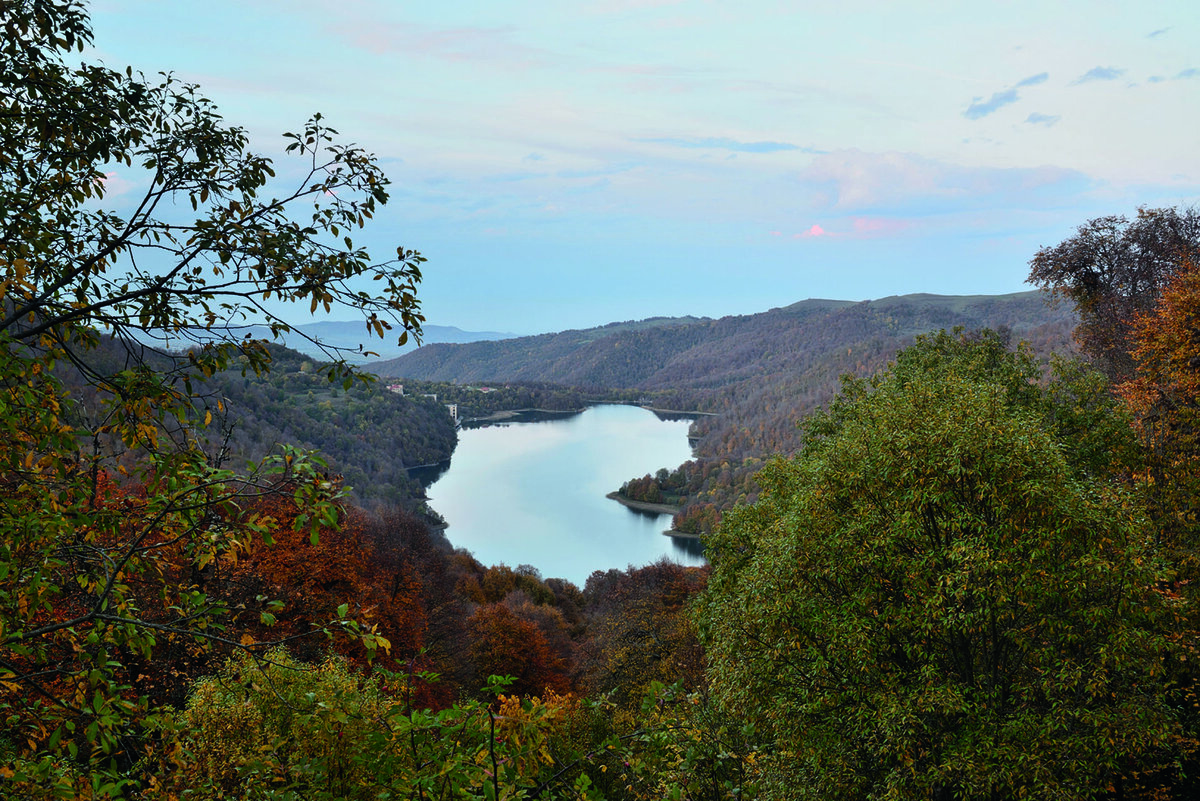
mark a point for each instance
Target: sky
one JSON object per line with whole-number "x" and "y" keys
{"x": 568, "y": 164}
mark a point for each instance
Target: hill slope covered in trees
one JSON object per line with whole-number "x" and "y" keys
{"x": 701, "y": 353}
{"x": 759, "y": 373}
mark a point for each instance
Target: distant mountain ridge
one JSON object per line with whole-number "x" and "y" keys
{"x": 700, "y": 353}
{"x": 348, "y": 336}
{"x": 760, "y": 373}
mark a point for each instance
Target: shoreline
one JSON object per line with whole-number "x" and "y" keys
{"x": 682, "y": 535}
{"x": 508, "y": 414}
{"x": 643, "y": 506}
{"x": 661, "y": 508}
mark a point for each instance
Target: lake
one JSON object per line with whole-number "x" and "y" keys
{"x": 533, "y": 493}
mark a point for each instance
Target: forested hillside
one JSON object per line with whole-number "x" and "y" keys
{"x": 692, "y": 353}
{"x": 976, "y": 579}
{"x": 760, "y": 373}
{"x": 366, "y": 434}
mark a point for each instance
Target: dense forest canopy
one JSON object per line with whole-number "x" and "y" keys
{"x": 973, "y": 575}
{"x": 892, "y": 614}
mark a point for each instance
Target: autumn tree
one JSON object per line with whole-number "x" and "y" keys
{"x": 1113, "y": 269}
{"x": 89, "y": 584}
{"x": 640, "y": 630}
{"x": 503, "y": 644}
{"x": 1164, "y": 392}
{"x": 941, "y": 597}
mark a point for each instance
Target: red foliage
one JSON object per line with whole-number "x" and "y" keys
{"x": 503, "y": 644}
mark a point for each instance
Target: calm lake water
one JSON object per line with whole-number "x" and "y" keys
{"x": 533, "y": 493}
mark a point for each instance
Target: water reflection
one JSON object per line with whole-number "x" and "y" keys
{"x": 429, "y": 474}
{"x": 533, "y": 493}
{"x": 692, "y": 547}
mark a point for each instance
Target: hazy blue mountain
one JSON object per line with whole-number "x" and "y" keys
{"x": 350, "y": 335}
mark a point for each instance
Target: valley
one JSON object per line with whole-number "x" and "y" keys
{"x": 754, "y": 376}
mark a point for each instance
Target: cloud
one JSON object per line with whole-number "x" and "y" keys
{"x": 894, "y": 184}
{"x": 1157, "y": 33}
{"x": 496, "y": 46}
{"x": 876, "y": 227}
{"x": 614, "y": 168}
{"x": 1034, "y": 80}
{"x": 512, "y": 177}
{"x": 623, "y": 6}
{"x": 724, "y": 143}
{"x": 858, "y": 228}
{"x": 1190, "y": 72}
{"x": 1042, "y": 119}
{"x": 534, "y": 157}
{"x": 979, "y": 109}
{"x": 1099, "y": 74}
{"x": 115, "y": 185}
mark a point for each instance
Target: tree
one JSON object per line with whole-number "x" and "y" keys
{"x": 933, "y": 600}
{"x": 1164, "y": 396}
{"x": 640, "y": 630}
{"x": 278, "y": 728}
{"x": 1112, "y": 270}
{"x": 111, "y": 522}
{"x": 503, "y": 644}
{"x": 69, "y": 263}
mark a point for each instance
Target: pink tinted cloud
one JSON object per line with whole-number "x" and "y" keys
{"x": 859, "y": 228}
{"x": 876, "y": 227}
{"x": 115, "y": 184}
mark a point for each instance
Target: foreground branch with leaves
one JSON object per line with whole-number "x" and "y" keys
{"x": 112, "y": 522}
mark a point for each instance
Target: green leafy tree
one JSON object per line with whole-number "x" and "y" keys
{"x": 112, "y": 522}
{"x": 941, "y": 596}
{"x": 278, "y": 728}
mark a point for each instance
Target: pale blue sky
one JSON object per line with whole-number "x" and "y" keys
{"x": 565, "y": 164}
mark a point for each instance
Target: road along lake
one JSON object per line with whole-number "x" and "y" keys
{"x": 534, "y": 492}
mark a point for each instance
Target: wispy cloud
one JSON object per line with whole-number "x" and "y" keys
{"x": 981, "y": 108}
{"x": 1042, "y": 119}
{"x": 496, "y": 46}
{"x": 811, "y": 233}
{"x": 884, "y": 184}
{"x": 1190, "y": 72}
{"x": 1157, "y": 33}
{"x": 724, "y": 143}
{"x": 876, "y": 227}
{"x": 1099, "y": 74}
{"x": 512, "y": 177}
